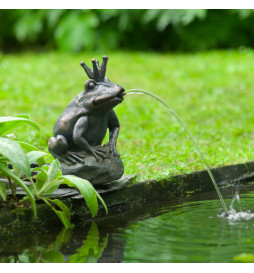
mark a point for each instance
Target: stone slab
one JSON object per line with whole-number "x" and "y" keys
{"x": 74, "y": 193}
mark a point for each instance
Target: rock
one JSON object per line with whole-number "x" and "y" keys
{"x": 95, "y": 171}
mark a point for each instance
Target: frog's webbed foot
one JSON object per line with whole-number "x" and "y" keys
{"x": 112, "y": 148}
{"x": 71, "y": 158}
{"x": 98, "y": 152}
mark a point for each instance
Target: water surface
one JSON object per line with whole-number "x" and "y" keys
{"x": 187, "y": 231}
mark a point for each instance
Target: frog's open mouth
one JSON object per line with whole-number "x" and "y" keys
{"x": 120, "y": 95}
{"x": 114, "y": 99}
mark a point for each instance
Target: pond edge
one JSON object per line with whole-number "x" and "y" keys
{"x": 137, "y": 195}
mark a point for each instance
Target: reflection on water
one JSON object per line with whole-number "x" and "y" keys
{"x": 92, "y": 247}
{"x": 190, "y": 231}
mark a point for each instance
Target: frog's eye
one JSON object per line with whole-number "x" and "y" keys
{"x": 81, "y": 99}
{"x": 91, "y": 85}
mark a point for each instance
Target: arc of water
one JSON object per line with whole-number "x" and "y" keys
{"x": 172, "y": 111}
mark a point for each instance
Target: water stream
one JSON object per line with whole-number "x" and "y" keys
{"x": 172, "y": 111}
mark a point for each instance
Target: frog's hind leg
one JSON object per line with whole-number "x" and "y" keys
{"x": 58, "y": 147}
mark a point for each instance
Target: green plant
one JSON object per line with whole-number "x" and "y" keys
{"x": 46, "y": 179}
{"x": 12, "y": 153}
{"x": 49, "y": 178}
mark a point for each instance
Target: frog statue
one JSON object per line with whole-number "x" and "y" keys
{"x": 81, "y": 128}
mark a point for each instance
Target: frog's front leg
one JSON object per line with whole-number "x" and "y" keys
{"x": 78, "y": 132}
{"x": 114, "y": 127}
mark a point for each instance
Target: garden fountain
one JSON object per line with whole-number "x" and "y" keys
{"x": 81, "y": 128}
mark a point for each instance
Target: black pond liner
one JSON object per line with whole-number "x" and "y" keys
{"x": 124, "y": 196}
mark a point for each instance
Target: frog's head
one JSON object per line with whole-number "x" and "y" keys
{"x": 100, "y": 92}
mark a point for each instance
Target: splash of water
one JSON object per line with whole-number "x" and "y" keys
{"x": 232, "y": 215}
{"x": 235, "y": 198}
{"x": 172, "y": 111}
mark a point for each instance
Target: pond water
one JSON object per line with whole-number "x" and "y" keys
{"x": 187, "y": 231}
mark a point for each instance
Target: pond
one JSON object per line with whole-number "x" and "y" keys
{"x": 188, "y": 230}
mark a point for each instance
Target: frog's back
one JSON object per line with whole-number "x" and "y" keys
{"x": 67, "y": 120}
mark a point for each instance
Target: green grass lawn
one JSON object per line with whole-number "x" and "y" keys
{"x": 212, "y": 92}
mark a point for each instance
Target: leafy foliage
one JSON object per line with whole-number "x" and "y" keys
{"x": 34, "y": 156}
{"x": 76, "y": 30}
{"x": 7, "y": 124}
{"x": 3, "y": 192}
{"x": 11, "y": 152}
{"x": 164, "y": 17}
{"x": 87, "y": 190}
{"x": 5, "y": 170}
{"x": 47, "y": 178}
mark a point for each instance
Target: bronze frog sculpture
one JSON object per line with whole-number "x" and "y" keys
{"x": 81, "y": 128}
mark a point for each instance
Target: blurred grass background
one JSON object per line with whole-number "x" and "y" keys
{"x": 212, "y": 92}
{"x": 175, "y": 54}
